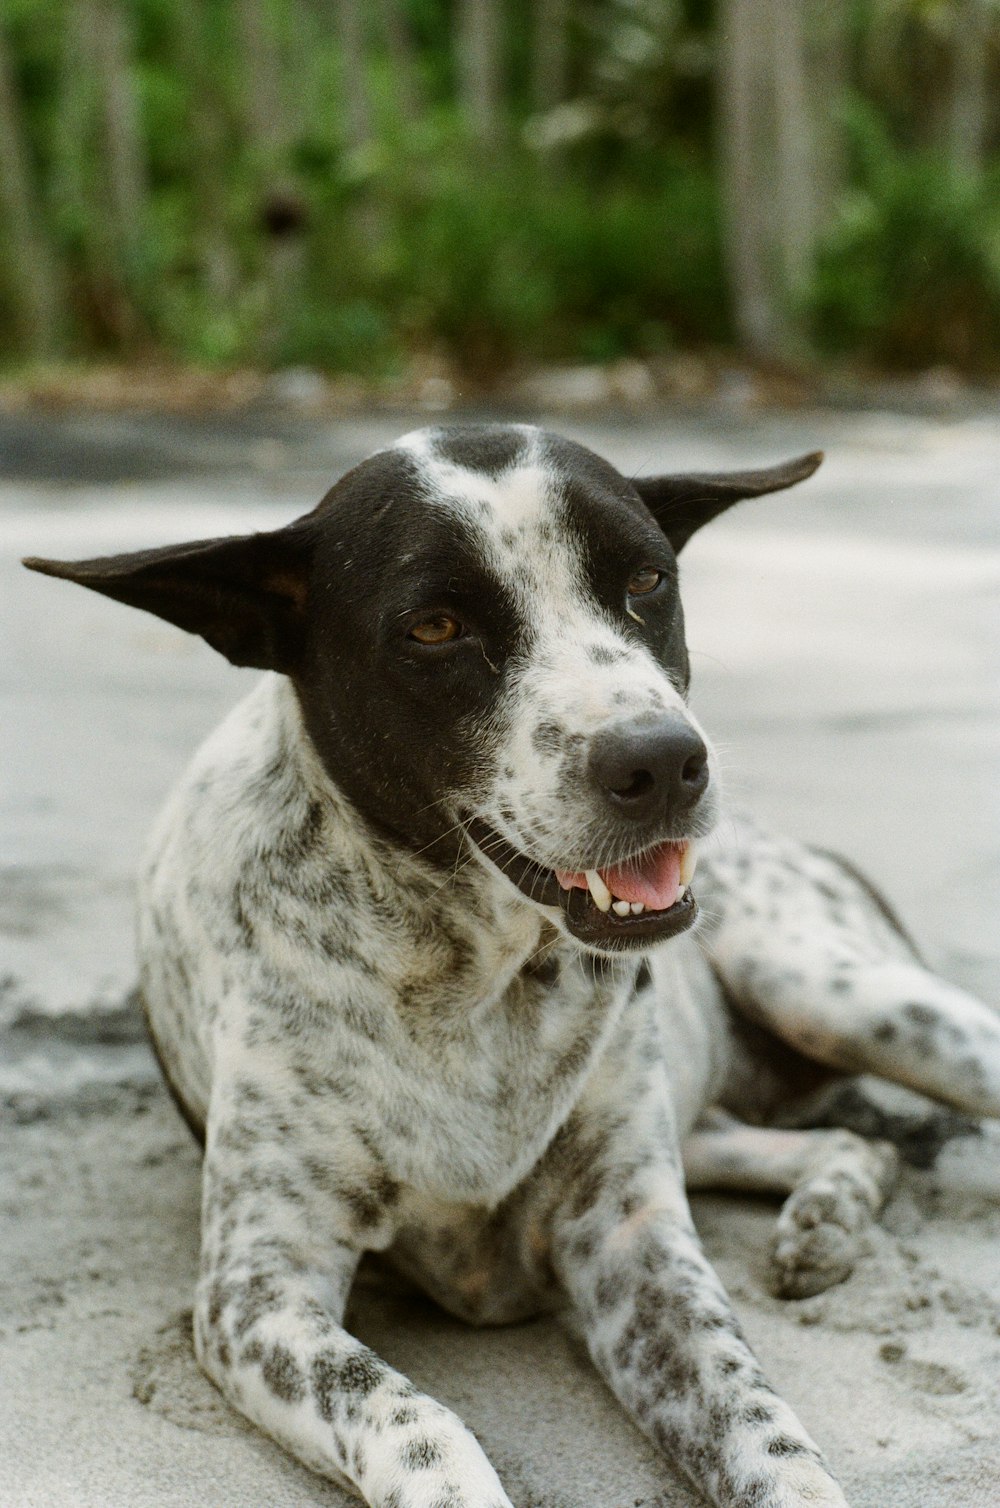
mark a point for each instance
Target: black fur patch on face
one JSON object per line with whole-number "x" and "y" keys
{"x": 399, "y": 723}
{"x": 490, "y": 449}
{"x": 618, "y": 536}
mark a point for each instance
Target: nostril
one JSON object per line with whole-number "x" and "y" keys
{"x": 641, "y": 781}
{"x": 693, "y": 769}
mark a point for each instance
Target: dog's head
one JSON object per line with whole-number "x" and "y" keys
{"x": 484, "y": 630}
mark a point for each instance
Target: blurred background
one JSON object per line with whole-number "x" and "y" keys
{"x": 377, "y": 187}
{"x": 243, "y": 243}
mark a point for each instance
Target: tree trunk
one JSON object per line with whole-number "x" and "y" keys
{"x": 206, "y": 159}
{"x": 351, "y": 15}
{"x": 795, "y": 150}
{"x": 745, "y": 83}
{"x": 279, "y": 209}
{"x": 479, "y": 42}
{"x": 31, "y": 266}
{"x": 126, "y": 178}
{"x": 970, "y": 93}
{"x": 550, "y": 54}
{"x": 405, "y": 62}
{"x": 830, "y": 81}
{"x": 779, "y": 156}
{"x": 366, "y": 212}
{"x": 264, "y": 112}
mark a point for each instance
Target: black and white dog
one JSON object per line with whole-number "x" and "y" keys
{"x": 417, "y": 954}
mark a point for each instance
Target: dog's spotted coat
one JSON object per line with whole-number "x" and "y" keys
{"x": 396, "y": 1039}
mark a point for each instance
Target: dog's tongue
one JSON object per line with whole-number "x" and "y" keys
{"x": 654, "y": 879}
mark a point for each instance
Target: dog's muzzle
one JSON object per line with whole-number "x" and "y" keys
{"x": 633, "y": 904}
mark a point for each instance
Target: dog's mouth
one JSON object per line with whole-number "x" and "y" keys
{"x": 633, "y": 904}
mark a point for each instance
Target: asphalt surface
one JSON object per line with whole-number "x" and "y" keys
{"x": 845, "y": 642}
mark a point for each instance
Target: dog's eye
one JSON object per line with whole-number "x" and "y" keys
{"x": 644, "y": 581}
{"x": 440, "y": 629}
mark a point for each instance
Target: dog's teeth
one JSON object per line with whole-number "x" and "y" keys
{"x": 689, "y": 858}
{"x": 598, "y": 889}
{"x": 637, "y": 908}
{"x": 621, "y": 908}
{"x": 681, "y": 894}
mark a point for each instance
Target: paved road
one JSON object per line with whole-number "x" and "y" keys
{"x": 844, "y": 638}
{"x": 845, "y": 649}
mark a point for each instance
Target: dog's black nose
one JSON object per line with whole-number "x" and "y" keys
{"x": 650, "y": 769}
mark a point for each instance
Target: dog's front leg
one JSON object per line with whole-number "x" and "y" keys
{"x": 284, "y": 1225}
{"x": 656, "y": 1319}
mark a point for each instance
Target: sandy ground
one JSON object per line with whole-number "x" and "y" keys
{"x": 845, "y": 656}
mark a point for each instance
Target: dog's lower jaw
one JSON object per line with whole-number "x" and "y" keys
{"x": 574, "y": 911}
{"x": 609, "y": 937}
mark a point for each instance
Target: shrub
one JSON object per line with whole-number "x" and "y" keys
{"x": 909, "y": 274}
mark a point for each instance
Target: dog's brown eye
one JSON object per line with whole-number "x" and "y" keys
{"x": 437, "y": 630}
{"x": 644, "y": 581}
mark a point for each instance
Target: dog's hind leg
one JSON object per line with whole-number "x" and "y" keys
{"x": 804, "y": 947}
{"x": 836, "y": 1182}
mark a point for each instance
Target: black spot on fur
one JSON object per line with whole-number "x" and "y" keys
{"x": 919, "y": 1014}
{"x": 258, "y": 1296}
{"x": 608, "y": 1290}
{"x": 338, "y": 1379}
{"x": 282, "y": 1375}
{"x": 243, "y": 922}
{"x": 884, "y": 1032}
{"x": 418, "y": 1455}
{"x": 489, "y": 449}
{"x": 548, "y": 738}
{"x": 784, "y": 1445}
{"x": 544, "y": 970}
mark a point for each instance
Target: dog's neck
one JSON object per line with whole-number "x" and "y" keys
{"x": 503, "y": 935}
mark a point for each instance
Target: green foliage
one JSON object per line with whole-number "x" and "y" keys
{"x": 512, "y": 264}
{"x": 583, "y": 235}
{"x": 910, "y": 271}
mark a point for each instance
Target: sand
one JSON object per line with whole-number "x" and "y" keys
{"x": 896, "y": 1372}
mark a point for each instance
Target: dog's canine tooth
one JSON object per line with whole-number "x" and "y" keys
{"x": 598, "y": 889}
{"x": 689, "y": 860}
{"x": 621, "y": 908}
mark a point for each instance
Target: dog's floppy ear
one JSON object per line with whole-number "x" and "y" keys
{"x": 681, "y": 504}
{"x": 245, "y": 595}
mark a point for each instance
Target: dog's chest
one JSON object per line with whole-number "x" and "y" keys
{"x": 461, "y": 1081}
{"x": 445, "y": 1022}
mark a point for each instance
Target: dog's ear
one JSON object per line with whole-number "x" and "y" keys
{"x": 246, "y": 595}
{"x": 681, "y": 504}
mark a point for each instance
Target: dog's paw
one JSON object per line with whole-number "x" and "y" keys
{"x": 808, "y": 1485}
{"x": 818, "y": 1238}
{"x": 820, "y": 1231}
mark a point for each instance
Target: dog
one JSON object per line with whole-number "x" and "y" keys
{"x": 423, "y": 964}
